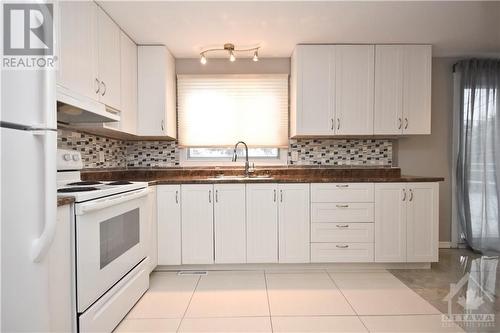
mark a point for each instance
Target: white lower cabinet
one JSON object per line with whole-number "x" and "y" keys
{"x": 342, "y": 232}
{"x": 262, "y": 223}
{"x": 406, "y": 222}
{"x": 341, "y": 252}
{"x": 197, "y": 216}
{"x": 169, "y": 224}
{"x": 229, "y": 213}
{"x": 294, "y": 223}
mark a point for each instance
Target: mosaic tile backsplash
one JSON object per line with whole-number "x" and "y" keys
{"x": 101, "y": 152}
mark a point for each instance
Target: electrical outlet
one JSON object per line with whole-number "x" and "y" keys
{"x": 295, "y": 156}
{"x": 101, "y": 156}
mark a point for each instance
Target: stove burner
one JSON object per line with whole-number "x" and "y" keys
{"x": 89, "y": 182}
{"x": 120, "y": 182}
{"x": 76, "y": 189}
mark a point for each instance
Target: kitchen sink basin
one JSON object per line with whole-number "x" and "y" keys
{"x": 256, "y": 177}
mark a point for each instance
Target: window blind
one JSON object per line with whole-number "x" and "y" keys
{"x": 220, "y": 110}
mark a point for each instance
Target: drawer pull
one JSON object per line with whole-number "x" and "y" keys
{"x": 342, "y": 246}
{"x": 342, "y": 226}
{"x": 342, "y": 206}
{"x": 342, "y": 185}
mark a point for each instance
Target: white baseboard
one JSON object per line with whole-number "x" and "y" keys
{"x": 445, "y": 245}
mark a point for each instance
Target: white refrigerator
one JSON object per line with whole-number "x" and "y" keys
{"x": 30, "y": 292}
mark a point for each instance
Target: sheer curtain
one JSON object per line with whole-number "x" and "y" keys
{"x": 478, "y": 153}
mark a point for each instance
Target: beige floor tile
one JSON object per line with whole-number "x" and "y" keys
{"x": 148, "y": 325}
{"x": 380, "y": 294}
{"x": 305, "y": 294}
{"x": 318, "y": 324}
{"x": 168, "y": 296}
{"x": 230, "y": 294}
{"x": 235, "y": 324}
{"x": 400, "y": 324}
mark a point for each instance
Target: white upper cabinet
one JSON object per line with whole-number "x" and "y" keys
{"x": 417, "y": 89}
{"x": 128, "y": 115}
{"x": 354, "y": 72}
{"x": 78, "y": 48}
{"x": 230, "y": 233}
{"x": 402, "y": 89}
{"x": 311, "y": 91}
{"x": 156, "y": 92}
{"x": 262, "y": 223}
{"x": 108, "y": 35}
{"x": 294, "y": 223}
{"x": 422, "y": 218}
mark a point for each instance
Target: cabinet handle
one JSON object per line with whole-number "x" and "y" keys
{"x": 342, "y": 185}
{"x": 176, "y": 197}
{"x": 163, "y": 125}
{"x": 333, "y": 124}
{"x": 406, "y": 123}
{"x": 104, "y": 91}
{"x": 400, "y": 123}
{"x": 209, "y": 196}
{"x": 98, "y": 86}
{"x": 216, "y": 195}
{"x": 338, "y": 124}
{"x": 342, "y": 226}
{"x": 342, "y": 206}
{"x": 404, "y": 194}
{"x": 274, "y": 196}
{"x": 281, "y": 195}
{"x": 345, "y": 246}
{"x": 411, "y": 195}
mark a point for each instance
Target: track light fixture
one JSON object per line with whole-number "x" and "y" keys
{"x": 230, "y": 48}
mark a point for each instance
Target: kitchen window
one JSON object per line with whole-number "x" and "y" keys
{"x": 216, "y": 111}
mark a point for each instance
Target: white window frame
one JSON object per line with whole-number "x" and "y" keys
{"x": 184, "y": 160}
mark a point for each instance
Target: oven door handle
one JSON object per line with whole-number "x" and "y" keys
{"x": 91, "y": 206}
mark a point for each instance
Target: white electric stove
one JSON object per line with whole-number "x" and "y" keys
{"x": 69, "y": 183}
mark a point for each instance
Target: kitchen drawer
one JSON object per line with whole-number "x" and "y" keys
{"x": 342, "y": 192}
{"x": 342, "y": 212}
{"x": 342, "y": 232}
{"x": 341, "y": 252}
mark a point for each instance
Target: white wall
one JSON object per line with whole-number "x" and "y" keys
{"x": 240, "y": 66}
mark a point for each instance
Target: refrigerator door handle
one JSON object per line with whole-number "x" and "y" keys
{"x": 41, "y": 245}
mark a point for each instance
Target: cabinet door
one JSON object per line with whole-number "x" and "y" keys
{"x": 294, "y": 223}
{"x": 78, "y": 48}
{"x": 169, "y": 224}
{"x": 230, "y": 239}
{"x": 422, "y": 218}
{"x": 417, "y": 89}
{"x": 197, "y": 224}
{"x": 108, "y": 36}
{"x": 128, "y": 116}
{"x": 354, "y": 75}
{"x": 390, "y": 222}
{"x": 262, "y": 223}
{"x": 311, "y": 91}
{"x": 388, "y": 108}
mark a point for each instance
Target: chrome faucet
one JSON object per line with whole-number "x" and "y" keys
{"x": 235, "y": 157}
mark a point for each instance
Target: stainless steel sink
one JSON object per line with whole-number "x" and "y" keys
{"x": 256, "y": 177}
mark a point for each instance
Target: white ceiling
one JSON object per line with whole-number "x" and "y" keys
{"x": 453, "y": 28}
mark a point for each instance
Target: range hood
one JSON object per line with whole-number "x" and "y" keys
{"x": 76, "y": 109}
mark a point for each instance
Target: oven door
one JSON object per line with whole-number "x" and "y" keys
{"x": 110, "y": 236}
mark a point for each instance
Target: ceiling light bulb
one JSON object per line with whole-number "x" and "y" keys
{"x": 255, "y": 56}
{"x": 231, "y": 56}
{"x": 203, "y": 59}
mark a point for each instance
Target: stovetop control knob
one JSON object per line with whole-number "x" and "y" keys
{"x": 67, "y": 157}
{"x": 76, "y": 158}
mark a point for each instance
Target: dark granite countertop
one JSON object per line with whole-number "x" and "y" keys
{"x": 206, "y": 175}
{"x": 61, "y": 201}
